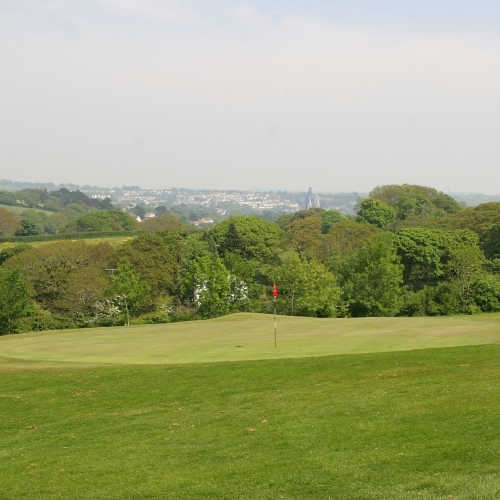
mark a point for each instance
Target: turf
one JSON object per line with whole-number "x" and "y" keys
{"x": 403, "y": 425}
{"x": 112, "y": 240}
{"x": 247, "y": 337}
{"x": 18, "y": 210}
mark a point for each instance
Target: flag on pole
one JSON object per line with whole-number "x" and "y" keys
{"x": 276, "y": 294}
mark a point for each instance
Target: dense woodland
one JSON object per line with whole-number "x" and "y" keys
{"x": 409, "y": 251}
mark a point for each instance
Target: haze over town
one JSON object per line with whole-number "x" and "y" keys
{"x": 249, "y": 95}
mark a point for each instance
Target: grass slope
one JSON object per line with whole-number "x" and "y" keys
{"x": 112, "y": 240}
{"x": 248, "y": 336}
{"x": 18, "y": 210}
{"x": 402, "y": 425}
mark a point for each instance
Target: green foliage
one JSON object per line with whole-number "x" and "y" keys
{"x": 410, "y": 200}
{"x": 164, "y": 222}
{"x": 465, "y": 267}
{"x": 372, "y": 278}
{"x": 304, "y": 236}
{"x": 491, "y": 241}
{"x": 207, "y": 284}
{"x": 65, "y": 276}
{"x": 307, "y": 288}
{"x": 478, "y": 219}
{"x": 28, "y": 228}
{"x": 51, "y": 200}
{"x": 157, "y": 258}
{"x": 9, "y": 223}
{"x": 375, "y": 212}
{"x": 425, "y": 253}
{"x": 15, "y": 300}
{"x": 329, "y": 218}
{"x": 103, "y": 221}
{"x": 348, "y": 236}
{"x": 7, "y": 253}
{"x": 255, "y": 237}
{"x": 132, "y": 293}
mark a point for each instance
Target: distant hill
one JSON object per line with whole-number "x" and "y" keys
{"x": 52, "y": 201}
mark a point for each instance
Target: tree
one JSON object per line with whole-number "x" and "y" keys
{"x": 208, "y": 286}
{"x": 491, "y": 241}
{"x": 129, "y": 289}
{"x": 410, "y": 200}
{"x": 348, "y": 236}
{"x": 307, "y": 288}
{"x": 15, "y": 300}
{"x": 258, "y": 238}
{"x": 157, "y": 258}
{"x": 329, "y": 218}
{"x": 9, "y": 223}
{"x": 50, "y": 270}
{"x": 375, "y": 212}
{"x": 425, "y": 253}
{"x": 164, "y": 222}
{"x": 478, "y": 219}
{"x": 28, "y": 228}
{"x": 305, "y": 236}
{"x": 372, "y": 278}
{"x": 465, "y": 267}
{"x": 103, "y": 221}
{"x": 7, "y": 253}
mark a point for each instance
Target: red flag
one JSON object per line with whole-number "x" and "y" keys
{"x": 275, "y": 291}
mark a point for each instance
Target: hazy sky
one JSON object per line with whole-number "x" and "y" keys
{"x": 340, "y": 95}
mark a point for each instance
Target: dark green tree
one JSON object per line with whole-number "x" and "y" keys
{"x": 129, "y": 289}
{"x": 15, "y": 300}
{"x": 372, "y": 279}
{"x": 375, "y": 212}
{"x": 491, "y": 241}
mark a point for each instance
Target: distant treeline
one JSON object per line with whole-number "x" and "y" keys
{"x": 409, "y": 250}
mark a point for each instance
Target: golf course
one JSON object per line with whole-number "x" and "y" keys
{"x": 367, "y": 408}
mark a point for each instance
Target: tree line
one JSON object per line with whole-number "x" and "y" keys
{"x": 409, "y": 251}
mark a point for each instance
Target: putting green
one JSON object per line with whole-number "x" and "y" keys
{"x": 247, "y": 336}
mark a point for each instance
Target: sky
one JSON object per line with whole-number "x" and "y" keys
{"x": 341, "y": 95}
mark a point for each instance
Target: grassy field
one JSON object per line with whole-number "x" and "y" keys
{"x": 19, "y": 210}
{"x": 112, "y": 240}
{"x": 415, "y": 424}
{"x": 247, "y": 336}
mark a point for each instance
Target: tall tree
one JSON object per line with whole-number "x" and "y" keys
{"x": 9, "y": 223}
{"x": 15, "y": 300}
{"x": 207, "y": 284}
{"x": 375, "y": 212}
{"x": 372, "y": 279}
{"x": 130, "y": 290}
{"x": 466, "y": 267}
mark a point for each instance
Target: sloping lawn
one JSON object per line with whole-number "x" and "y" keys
{"x": 403, "y": 425}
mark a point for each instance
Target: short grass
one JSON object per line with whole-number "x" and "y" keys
{"x": 112, "y": 240}
{"x": 418, "y": 424}
{"x": 17, "y": 210}
{"x": 248, "y": 336}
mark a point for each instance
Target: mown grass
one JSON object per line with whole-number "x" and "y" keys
{"x": 112, "y": 240}
{"x": 418, "y": 424}
{"x": 17, "y": 210}
{"x": 248, "y": 336}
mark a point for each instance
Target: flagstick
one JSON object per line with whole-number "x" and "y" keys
{"x": 275, "y": 325}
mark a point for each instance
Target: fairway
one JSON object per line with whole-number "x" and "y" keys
{"x": 407, "y": 425}
{"x": 247, "y": 336}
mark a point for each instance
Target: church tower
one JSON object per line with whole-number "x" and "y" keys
{"x": 312, "y": 200}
